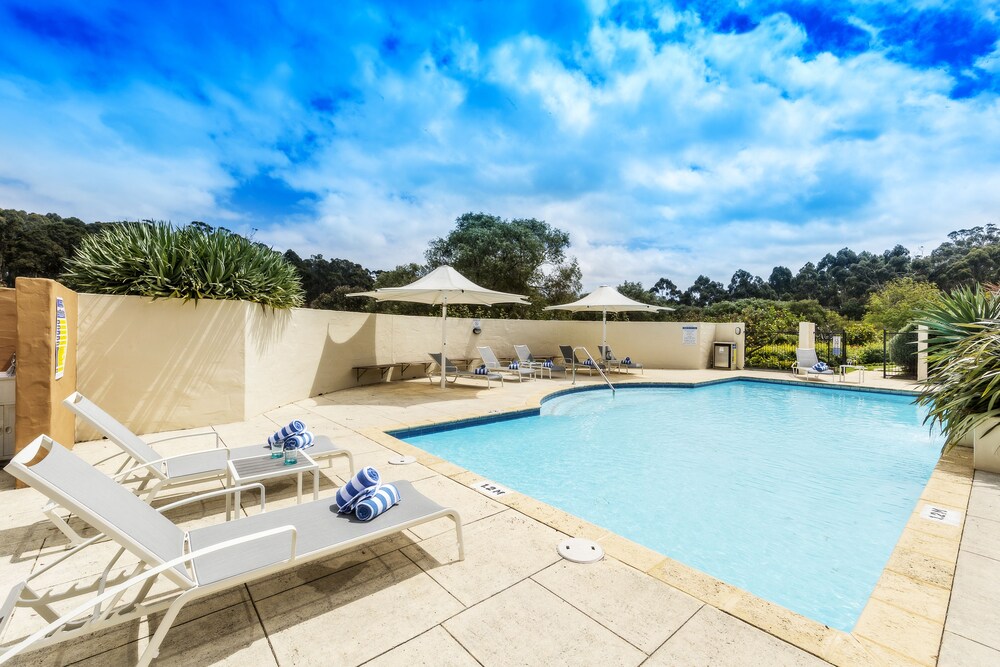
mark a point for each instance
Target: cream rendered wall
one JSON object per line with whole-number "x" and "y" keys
{"x": 166, "y": 364}
{"x": 163, "y": 364}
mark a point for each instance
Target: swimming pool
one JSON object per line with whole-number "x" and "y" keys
{"x": 797, "y": 494}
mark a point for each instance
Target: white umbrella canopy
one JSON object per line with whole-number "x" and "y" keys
{"x": 444, "y": 285}
{"x": 607, "y": 300}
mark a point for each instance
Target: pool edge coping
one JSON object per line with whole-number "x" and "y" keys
{"x": 872, "y": 641}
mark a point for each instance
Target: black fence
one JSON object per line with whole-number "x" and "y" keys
{"x": 899, "y": 354}
{"x": 777, "y": 349}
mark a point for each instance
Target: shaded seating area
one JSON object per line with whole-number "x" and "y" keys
{"x": 616, "y": 364}
{"x": 187, "y": 565}
{"x": 451, "y": 372}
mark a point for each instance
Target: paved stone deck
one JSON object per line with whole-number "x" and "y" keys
{"x": 406, "y": 601}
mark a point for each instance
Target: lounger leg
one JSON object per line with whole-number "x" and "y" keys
{"x": 153, "y": 649}
{"x": 60, "y": 523}
{"x": 458, "y": 534}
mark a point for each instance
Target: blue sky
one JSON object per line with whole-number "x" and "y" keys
{"x": 669, "y": 139}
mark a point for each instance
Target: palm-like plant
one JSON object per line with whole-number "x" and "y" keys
{"x": 160, "y": 260}
{"x": 962, "y": 390}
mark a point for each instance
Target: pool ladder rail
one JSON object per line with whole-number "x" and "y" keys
{"x": 596, "y": 365}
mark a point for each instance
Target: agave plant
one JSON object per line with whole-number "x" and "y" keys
{"x": 160, "y": 260}
{"x": 962, "y": 390}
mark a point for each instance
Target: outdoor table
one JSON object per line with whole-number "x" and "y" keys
{"x": 259, "y": 468}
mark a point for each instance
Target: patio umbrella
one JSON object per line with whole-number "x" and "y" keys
{"x": 607, "y": 300}
{"x": 443, "y": 285}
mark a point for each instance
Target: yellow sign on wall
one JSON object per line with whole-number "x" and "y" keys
{"x": 62, "y": 337}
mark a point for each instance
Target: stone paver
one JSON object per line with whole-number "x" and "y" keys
{"x": 404, "y": 600}
{"x": 714, "y": 638}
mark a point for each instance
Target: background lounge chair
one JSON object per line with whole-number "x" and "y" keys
{"x": 524, "y": 356}
{"x": 805, "y": 359}
{"x": 571, "y": 360}
{"x": 455, "y": 372}
{"x": 493, "y": 363}
{"x": 196, "y": 563}
{"x": 615, "y": 363}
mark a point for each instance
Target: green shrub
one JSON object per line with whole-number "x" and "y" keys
{"x": 160, "y": 260}
{"x": 902, "y": 350}
{"x": 870, "y": 354}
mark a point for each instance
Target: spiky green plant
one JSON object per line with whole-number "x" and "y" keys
{"x": 160, "y": 260}
{"x": 962, "y": 390}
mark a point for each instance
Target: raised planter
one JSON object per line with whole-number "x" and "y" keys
{"x": 986, "y": 448}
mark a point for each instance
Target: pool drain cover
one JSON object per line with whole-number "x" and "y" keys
{"x": 402, "y": 460}
{"x": 579, "y": 550}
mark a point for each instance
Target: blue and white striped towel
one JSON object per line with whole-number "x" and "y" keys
{"x": 588, "y": 362}
{"x": 378, "y": 502}
{"x": 513, "y": 366}
{"x": 366, "y": 482}
{"x": 547, "y": 363}
{"x": 627, "y": 361}
{"x": 821, "y": 367}
{"x": 302, "y": 440}
{"x": 286, "y": 431}
{"x": 482, "y": 370}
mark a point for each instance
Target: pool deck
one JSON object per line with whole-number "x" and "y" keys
{"x": 406, "y": 601}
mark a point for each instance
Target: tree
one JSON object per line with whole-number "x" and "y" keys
{"x": 745, "y": 285}
{"x": 667, "y": 291}
{"x": 327, "y": 282}
{"x": 970, "y": 257}
{"x": 781, "y": 282}
{"x": 520, "y": 256}
{"x": 704, "y": 292}
{"x": 897, "y": 304}
{"x": 37, "y": 246}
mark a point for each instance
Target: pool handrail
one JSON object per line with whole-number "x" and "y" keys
{"x": 594, "y": 363}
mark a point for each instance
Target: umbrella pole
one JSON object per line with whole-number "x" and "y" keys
{"x": 604, "y": 334}
{"x": 444, "y": 342}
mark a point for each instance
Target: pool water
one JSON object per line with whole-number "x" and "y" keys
{"x": 797, "y": 494}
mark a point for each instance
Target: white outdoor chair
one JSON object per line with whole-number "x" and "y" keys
{"x": 524, "y": 356}
{"x": 454, "y": 372}
{"x": 195, "y": 563}
{"x": 805, "y": 359}
{"x": 154, "y": 472}
{"x": 493, "y": 363}
{"x": 618, "y": 364}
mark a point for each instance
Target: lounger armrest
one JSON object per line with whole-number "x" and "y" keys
{"x": 222, "y": 453}
{"x": 215, "y": 494}
{"x": 93, "y": 607}
{"x": 218, "y": 440}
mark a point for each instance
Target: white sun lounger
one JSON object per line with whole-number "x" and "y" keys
{"x": 196, "y": 563}
{"x": 158, "y": 472}
{"x": 805, "y": 359}
{"x": 617, "y": 364}
{"x": 524, "y": 356}
{"x": 454, "y": 372}
{"x": 493, "y": 363}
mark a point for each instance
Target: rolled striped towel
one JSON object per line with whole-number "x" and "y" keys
{"x": 362, "y": 484}
{"x": 302, "y": 440}
{"x": 482, "y": 370}
{"x": 513, "y": 366}
{"x": 588, "y": 362}
{"x": 820, "y": 367}
{"x": 284, "y": 432}
{"x": 547, "y": 363}
{"x": 627, "y": 361}
{"x": 378, "y": 502}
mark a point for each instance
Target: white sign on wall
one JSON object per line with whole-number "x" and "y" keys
{"x": 690, "y": 335}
